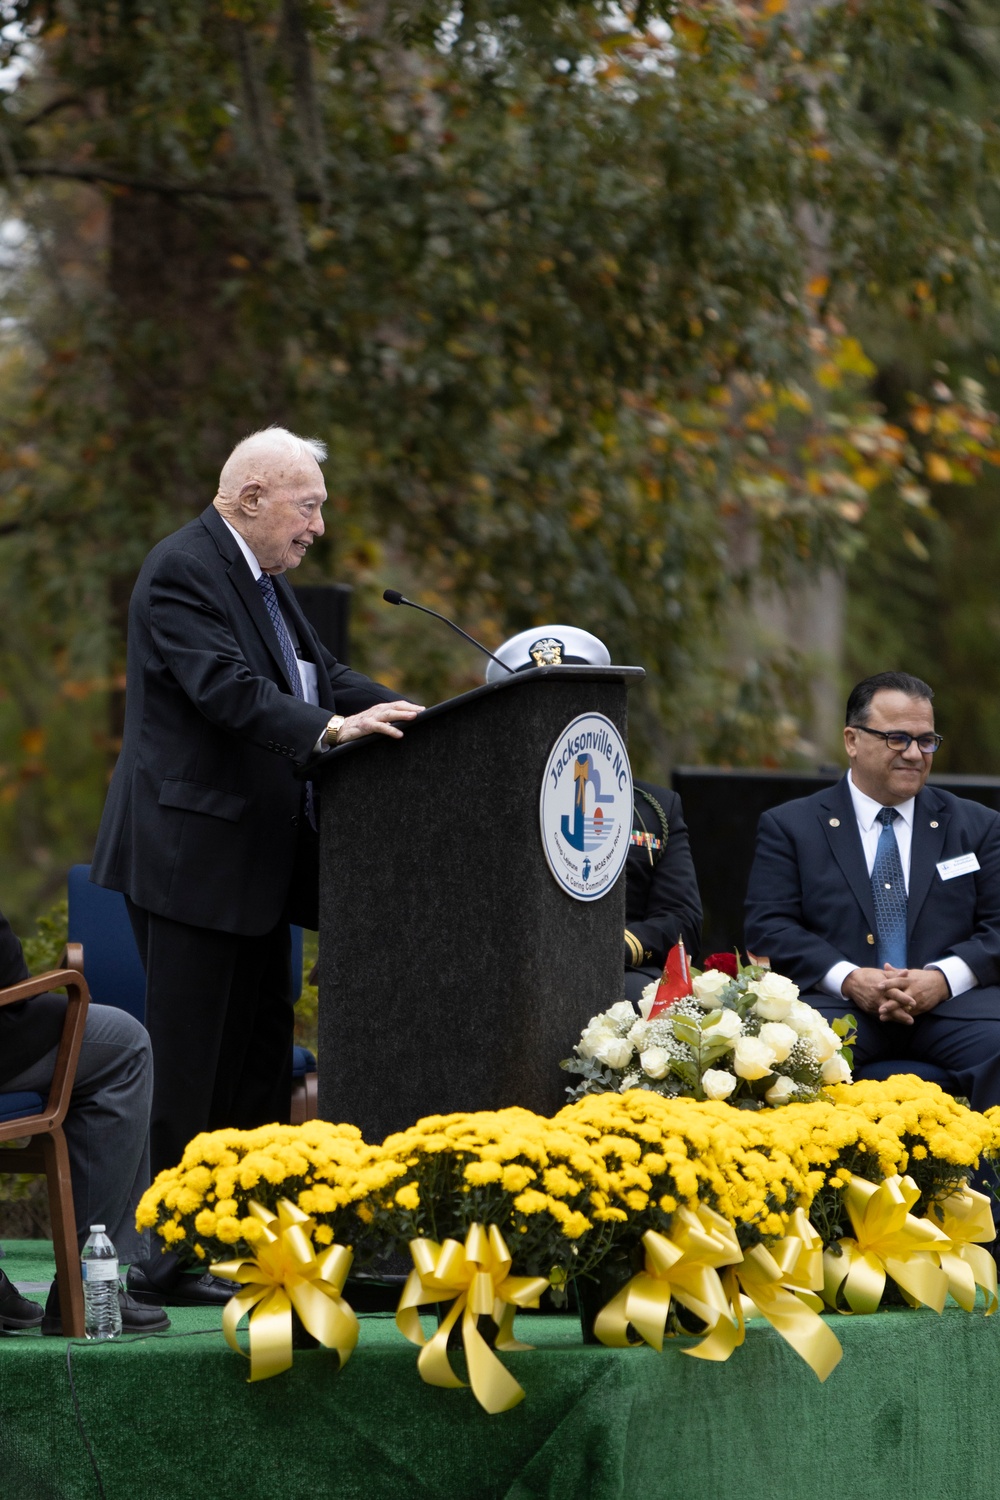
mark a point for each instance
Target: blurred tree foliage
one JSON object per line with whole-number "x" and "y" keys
{"x": 573, "y": 291}
{"x": 924, "y": 595}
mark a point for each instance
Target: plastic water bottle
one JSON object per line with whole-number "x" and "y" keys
{"x": 99, "y": 1268}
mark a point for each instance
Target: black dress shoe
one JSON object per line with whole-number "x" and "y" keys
{"x": 135, "y": 1318}
{"x": 16, "y": 1311}
{"x": 185, "y": 1291}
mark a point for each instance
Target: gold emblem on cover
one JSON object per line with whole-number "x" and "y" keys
{"x": 547, "y": 652}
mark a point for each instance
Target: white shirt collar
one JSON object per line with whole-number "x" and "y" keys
{"x": 866, "y": 809}
{"x": 244, "y": 547}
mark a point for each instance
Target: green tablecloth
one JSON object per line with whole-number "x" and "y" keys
{"x": 909, "y": 1414}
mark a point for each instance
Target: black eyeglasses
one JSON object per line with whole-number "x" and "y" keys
{"x": 898, "y": 739}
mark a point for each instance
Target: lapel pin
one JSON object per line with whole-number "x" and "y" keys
{"x": 834, "y": 822}
{"x": 934, "y": 822}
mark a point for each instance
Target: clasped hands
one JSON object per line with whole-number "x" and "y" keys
{"x": 896, "y": 994}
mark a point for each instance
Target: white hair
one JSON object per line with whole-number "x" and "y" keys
{"x": 278, "y": 440}
{"x": 273, "y": 451}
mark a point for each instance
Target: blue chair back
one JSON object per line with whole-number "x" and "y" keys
{"x": 98, "y": 918}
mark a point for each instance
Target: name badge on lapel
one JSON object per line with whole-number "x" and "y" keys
{"x": 962, "y": 864}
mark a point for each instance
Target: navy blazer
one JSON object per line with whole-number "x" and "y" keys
{"x": 809, "y": 901}
{"x": 203, "y": 818}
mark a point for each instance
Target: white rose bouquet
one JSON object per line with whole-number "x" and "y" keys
{"x": 745, "y": 1037}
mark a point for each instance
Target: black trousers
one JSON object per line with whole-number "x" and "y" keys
{"x": 220, "y": 1015}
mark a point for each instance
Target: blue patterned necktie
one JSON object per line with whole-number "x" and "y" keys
{"x": 270, "y": 597}
{"x": 273, "y": 608}
{"x": 889, "y": 892}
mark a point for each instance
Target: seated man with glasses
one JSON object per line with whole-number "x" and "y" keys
{"x": 880, "y": 896}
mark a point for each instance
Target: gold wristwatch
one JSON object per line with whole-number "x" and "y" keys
{"x": 333, "y": 729}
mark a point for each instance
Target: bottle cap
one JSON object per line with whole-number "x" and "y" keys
{"x": 97, "y": 1228}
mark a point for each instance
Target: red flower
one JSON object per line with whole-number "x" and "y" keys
{"x": 724, "y": 961}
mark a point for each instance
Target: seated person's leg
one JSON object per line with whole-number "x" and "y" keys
{"x": 107, "y": 1136}
{"x": 875, "y": 1039}
{"x": 107, "y": 1126}
{"x": 970, "y": 1049}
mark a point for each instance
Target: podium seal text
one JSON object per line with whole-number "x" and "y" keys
{"x": 586, "y": 807}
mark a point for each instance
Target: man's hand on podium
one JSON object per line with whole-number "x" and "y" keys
{"x": 381, "y": 718}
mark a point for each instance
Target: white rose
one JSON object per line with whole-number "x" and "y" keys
{"x": 622, "y": 1014}
{"x": 752, "y": 1058}
{"x": 801, "y": 1017}
{"x": 647, "y": 997}
{"x": 717, "y": 1084}
{"x": 639, "y": 1033}
{"x": 781, "y": 1090}
{"x": 708, "y": 987}
{"x": 835, "y": 1070}
{"x": 774, "y": 994}
{"x": 615, "y": 1052}
{"x": 722, "y": 1025}
{"x": 824, "y": 1041}
{"x": 594, "y": 1037}
{"x": 780, "y": 1038}
{"x": 655, "y": 1062}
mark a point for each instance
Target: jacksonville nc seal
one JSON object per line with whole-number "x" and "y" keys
{"x": 586, "y": 807}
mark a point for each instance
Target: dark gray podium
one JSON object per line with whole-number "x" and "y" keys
{"x": 454, "y": 972}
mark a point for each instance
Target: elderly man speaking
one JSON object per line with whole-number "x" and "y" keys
{"x": 207, "y": 830}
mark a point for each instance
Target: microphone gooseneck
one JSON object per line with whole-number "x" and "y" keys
{"x": 393, "y": 596}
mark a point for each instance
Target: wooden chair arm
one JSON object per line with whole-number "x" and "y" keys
{"x": 52, "y": 979}
{"x": 72, "y": 957}
{"x": 77, "y": 1001}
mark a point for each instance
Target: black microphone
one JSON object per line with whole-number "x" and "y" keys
{"x": 393, "y": 596}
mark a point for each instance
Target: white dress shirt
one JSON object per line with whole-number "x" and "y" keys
{"x": 866, "y": 810}
{"x": 307, "y": 669}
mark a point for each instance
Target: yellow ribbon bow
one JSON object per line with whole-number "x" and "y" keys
{"x": 286, "y": 1273}
{"x": 888, "y": 1241}
{"x": 966, "y": 1217}
{"x": 685, "y": 1268}
{"x": 476, "y": 1275}
{"x": 781, "y": 1284}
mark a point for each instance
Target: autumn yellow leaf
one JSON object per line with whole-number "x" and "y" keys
{"x": 938, "y": 468}
{"x": 689, "y": 33}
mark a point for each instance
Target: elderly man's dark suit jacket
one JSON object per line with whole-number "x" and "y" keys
{"x": 203, "y": 818}
{"x": 809, "y": 902}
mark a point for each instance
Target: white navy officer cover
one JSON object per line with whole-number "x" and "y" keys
{"x": 549, "y": 646}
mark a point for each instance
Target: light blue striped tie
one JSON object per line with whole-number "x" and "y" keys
{"x": 889, "y": 892}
